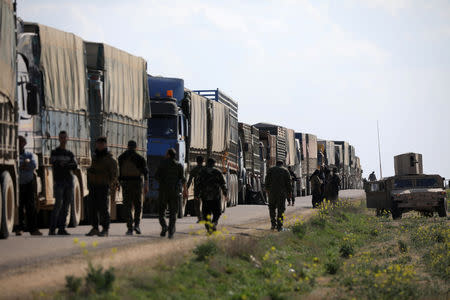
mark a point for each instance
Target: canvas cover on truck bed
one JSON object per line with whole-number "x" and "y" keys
{"x": 199, "y": 122}
{"x": 126, "y": 86}
{"x": 63, "y": 68}
{"x": 7, "y": 53}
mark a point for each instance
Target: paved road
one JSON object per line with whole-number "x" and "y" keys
{"x": 26, "y": 250}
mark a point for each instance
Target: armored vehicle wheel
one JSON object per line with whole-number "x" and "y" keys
{"x": 396, "y": 212}
{"x": 442, "y": 208}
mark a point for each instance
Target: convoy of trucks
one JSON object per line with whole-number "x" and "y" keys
{"x": 54, "y": 80}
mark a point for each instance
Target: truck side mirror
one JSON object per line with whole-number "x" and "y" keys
{"x": 32, "y": 99}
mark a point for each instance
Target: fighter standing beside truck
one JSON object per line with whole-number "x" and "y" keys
{"x": 102, "y": 177}
{"x": 64, "y": 163}
{"x": 132, "y": 167}
{"x": 27, "y": 204}
{"x": 170, "y": 176}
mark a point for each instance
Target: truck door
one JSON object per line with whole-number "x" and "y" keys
{"x": 376, "y": 194}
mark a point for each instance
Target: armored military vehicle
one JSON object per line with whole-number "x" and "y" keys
{"x": 409, "y": 189}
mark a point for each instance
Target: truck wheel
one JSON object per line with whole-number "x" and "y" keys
{"x": 8, "y": 205}
{"x": 396, "y": 213}
{"x": 442, "y": 208}
{"x": 76, "y": 204}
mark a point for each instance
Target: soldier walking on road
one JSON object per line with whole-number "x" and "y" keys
{"x": 278, "y": 187}
{"x": 332, "y": 187}
{"x": 316, "y": 188}
{"x": 193, "y": 176}
{"x": 291, "y": 200}
{"x": 64, "y": 164}
{"x": 102, "y": 177}
{"x": 211, "y": 182}
{"x": 132, "y": 167}
{"x": 27, "y": 165}
{"x": 170, "y": 176}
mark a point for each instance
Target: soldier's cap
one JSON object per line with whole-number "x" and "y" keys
{"x": 101, "y": 139}
{"x": 132, "y": 144}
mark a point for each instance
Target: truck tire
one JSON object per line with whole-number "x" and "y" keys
{"x": 442, "y": 208}
{"x": 8, "y": 205}
{"x": 76, "y": 204}
{"x": 396, "y": 213}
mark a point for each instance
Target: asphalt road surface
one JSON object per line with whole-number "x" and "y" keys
{"x": 18, "y": 252}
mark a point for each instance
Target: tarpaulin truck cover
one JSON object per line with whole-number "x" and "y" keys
{"x": 199, "y": 122}
{"x": 62, "y": 63}
{"x": 220, "y": 127}
{"x": 126, "y": 85}
{"x": 7, "y": 53}
{"x": 290, "y": 147}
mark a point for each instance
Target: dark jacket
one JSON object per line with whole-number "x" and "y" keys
{"x": 278, "y": 181}
{"x": 64, "y": 163}
{"x": 132, "y": 166}
{"x": 170, "y": 175}
{"x": 211, "y": 181}
{"x": 103, "y": 170}
{"x": 193, "y": 176}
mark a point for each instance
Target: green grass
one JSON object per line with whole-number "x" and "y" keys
{"x": 340, "y": 253}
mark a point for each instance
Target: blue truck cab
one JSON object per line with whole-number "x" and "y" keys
{"x": 167, "y": 128}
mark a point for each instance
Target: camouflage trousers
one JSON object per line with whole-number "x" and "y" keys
{"x": 277, "y": 206}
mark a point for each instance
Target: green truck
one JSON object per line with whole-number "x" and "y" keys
{"x": 408, "y": 190}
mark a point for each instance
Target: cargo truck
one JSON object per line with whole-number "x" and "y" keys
{"x": 409, "y": 189}
{"x": 118, "y": 103}
{"x": 234, "y": 154}
{"x": 193, "y": 125}
{"x": 344, "y": 156}
{"x": 309, "y": 155}
{"x": 8, "y": 118}
{"x": 53, "y": 97}
{"x": 254, "y": 163}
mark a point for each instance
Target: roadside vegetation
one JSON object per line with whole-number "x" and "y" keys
{"x": 342, "y": 252}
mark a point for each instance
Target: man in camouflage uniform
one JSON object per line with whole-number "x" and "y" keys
{"x": 278, "y": 187}
{"x": 294, "y": 180}
{"x": 332, "y": 187}
{"x": 193, "y": 176}
{"x": 316, "y": 188}
{"x": 170, "y": 176}
{"x": 132, "y": 167}
{"x": 102, "y": 177}
{"x": 211, "y": 182}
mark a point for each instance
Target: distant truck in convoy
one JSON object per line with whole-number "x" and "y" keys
{"x": 193, "y": 125}
{"x": 8, "y": 118}
{"x": 254, "y": 163}
{"x": 409, "y": 189}
{"x": 309, "y": 159}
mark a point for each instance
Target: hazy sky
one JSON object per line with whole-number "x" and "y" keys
{"x": 328, "y": 68}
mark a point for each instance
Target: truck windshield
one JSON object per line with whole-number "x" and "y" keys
{"x": 403, "y": 183}
{"x": 427, "y": 182}
{"x": 162, "y": 127}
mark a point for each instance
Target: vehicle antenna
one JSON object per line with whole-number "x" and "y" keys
{"x": 379, "y": 150}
